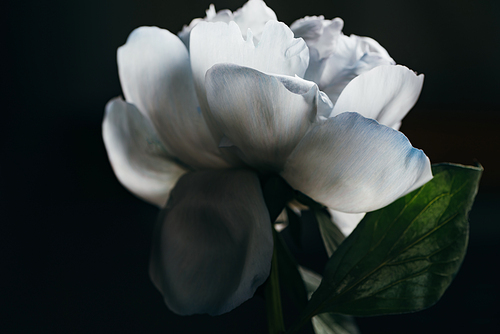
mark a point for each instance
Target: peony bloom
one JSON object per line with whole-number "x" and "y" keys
{"x": 238, "y": 94}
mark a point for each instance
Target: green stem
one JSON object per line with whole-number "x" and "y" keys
{"x": 273, "y": 297}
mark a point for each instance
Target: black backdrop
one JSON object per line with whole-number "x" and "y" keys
{"x": 75, "y": 244}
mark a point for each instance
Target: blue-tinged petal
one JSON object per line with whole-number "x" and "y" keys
{"x": 212, "y": 246}
{"x": 155, "y": 74}
{"x": 139, "y": 160}
{"x": 264, "y": 116}
{"x": 353, "y": 164}
{"x": 278, "y": 52}
{"x": 386, "y": 93}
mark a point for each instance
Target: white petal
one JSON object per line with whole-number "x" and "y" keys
{"x": 253, "y": 15}
{"x": 319, "y": 33}
{"x": 139, "y": 160}
{"x": 346, "y": 222}
{"x": 335, "y": 59}
{"x": 353, "y": 164}
{"x": 213, "y": 244}
{"x": 264, "y": 116}
{"x": 155, "y": 74}
{"x": 277, "y": 52}
{"x": 224, "y": 15}
{"x": 386, "y": 93}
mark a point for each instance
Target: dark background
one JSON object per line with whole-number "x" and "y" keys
{"x": 75, "y": 243}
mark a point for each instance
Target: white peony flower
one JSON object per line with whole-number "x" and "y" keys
{"x": 245, "y": 93}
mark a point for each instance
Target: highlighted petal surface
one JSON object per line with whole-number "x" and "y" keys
{"x": 278, "y": 52}
{"x": 155, "y": 74}
{"x": 212, "y": 246}
{"x": 264, "y": 116}
{"x": 386, "y": 93}
{"x": 253, "y": 15}
{"x": 353, "y": 164}
{"x": 138, "y": 158}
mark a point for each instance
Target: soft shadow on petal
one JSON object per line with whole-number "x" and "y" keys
{"x": 155, "y": 73}
{"x": 264, "y": 116}
{"x": 213, "y": 244}
{"x": 319, "y": 33}
{"x": 386, "y": 93}
{"x": 278, "y": 52}
{"x": 335, "y": 59}
{"x": 346, "y": 222}
{"x": 139, "y": 160}
{"x": 354, "y": 164}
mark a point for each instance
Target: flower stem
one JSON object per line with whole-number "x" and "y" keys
{"x": 273, "y": 297}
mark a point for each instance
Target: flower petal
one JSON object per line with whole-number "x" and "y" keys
{"x": 335, "y": 59}
{"x": 264, "y": 116}
{"x": 139, "y": 160}
{"x": 386, "y": 93}
{"x": 353, "y": 164}
{"x": 319, "y": 33}
{"x": 277, "y": 52}
{"x": 212, "y": 246}
{"x": 253, "y": 15}
{"x": 346, "y": 222}
{"x": 224, "y": 15}
{"x": 155, "y": 74}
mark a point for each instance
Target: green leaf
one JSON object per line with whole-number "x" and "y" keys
{"x": 330, "y": 233}
{"x": 327, "y": 323}
{"x": 403, "y": 257}
{"x": 273, "y": 296}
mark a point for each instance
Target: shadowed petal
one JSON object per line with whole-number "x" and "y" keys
{"x": 264, "y": 116}
{"x": 335, "y": 59}
{"x": 319, "y": 33}
{"x": 139, "y": 160}
{"x": 385, "y": 93}
{"x": 353, "y": 164}
{"x": 212, "y": 246}
{"x": 155, "y": 74}
{"x": 278, "y": 52}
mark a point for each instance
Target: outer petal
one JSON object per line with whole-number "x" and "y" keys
{"x": 253, "y": 15}
{"x": 346, "y": 222}
{"x": 139, "y": 160}
{"x": 155, "y": 74}
{"x": 278, "y": 52}
{"x": 213, "y": 243}
{"x": 385, "y": 93}
{"x": 264, "y": 116}
{"x": 353, "y": 164}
